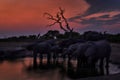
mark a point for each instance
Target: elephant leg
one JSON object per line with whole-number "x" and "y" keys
{"x": 79, "y": 62}
{"x": 48, "y": 57}
{"x": 101, "y": 62}
{"x": 107, "y": 65}
{"x": 107, "y": 62}
{"x": 83, "y": 61}
{"x": 34, "y": 58}
{"x": 64, "y": 57}
{"x": 101, "y": 66}
{"x": 41, "y": 58}
{"x": 92, "y": 62}
{"x": 55, "y": 57}
{"x": 101, "y": 70}
{"x": 86, "y": 63}
{"x": 69, "y": 58}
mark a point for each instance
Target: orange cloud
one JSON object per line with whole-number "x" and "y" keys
{"x": 24, "y": 14}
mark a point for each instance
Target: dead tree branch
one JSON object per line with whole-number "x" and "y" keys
{"x": 62, "y": 15}
{"x": 59, "y": 19}
{"x": 56, "y": 19}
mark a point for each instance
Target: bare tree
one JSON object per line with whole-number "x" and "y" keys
{"x": 59, "y": 19}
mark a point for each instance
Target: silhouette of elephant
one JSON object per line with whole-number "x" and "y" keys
{"x": 43, "y": 47}
{"x": 94, "y": 52}
{"x": 79, "y": 53}
{"x": 56, "y": 50}
{"x": 70, "y": 50}
{"x": 69, "y": 46}
{"x": 99, "y": 50}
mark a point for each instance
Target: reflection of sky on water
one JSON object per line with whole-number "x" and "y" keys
{"x": 24, "y": 70}
{"x": 114, "y": 69}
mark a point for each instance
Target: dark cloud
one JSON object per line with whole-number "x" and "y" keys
{"x": 102, "y": 6}
{"x": 95, "y": 24}
{"x": 96, "y": 21}
{"x": 97, "y": 6}
{"x": 117, "y": 16}
{"x": 105, "y": 16}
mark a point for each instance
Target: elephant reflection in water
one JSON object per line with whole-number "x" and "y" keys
{"x": 36, "y": 66}
{"x": 63, "y": 70}
{"x": 80, "y": 72}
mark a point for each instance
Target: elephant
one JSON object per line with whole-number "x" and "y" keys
{"x": 62, "y": 45}
{"x": 43, "y": 47}
{"x": 79, "y": 53}
{"x": 99, "y": 50}
{"x": 94, "y": 51}
{"x": 56, "y": 50}
{"x": 69, "y": 51}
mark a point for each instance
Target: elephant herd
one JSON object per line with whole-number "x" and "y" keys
{"x": 90, "y": 52}
{"x": 85, "y": 52}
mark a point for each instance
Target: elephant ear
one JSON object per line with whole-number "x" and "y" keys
{"x": 90, "y": 51}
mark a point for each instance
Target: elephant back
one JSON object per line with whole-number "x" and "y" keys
{"x": 104, "y": 48}
{"x": 91, "y": 49}
{"x": 42, "y": 47}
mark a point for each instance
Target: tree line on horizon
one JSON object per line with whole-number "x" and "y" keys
{"x": 55, "y": 34}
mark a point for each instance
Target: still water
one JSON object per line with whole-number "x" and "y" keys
{"x": 25, "y": 69}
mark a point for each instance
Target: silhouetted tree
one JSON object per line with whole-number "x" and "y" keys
{"x": 74, "y": 34}
{"x": 23, "y": 37}
{"x": 61, "y": 20}
{"x": 32, "y": 36}
{"x": 38, "y": 36}
{"x": 93, "y": 35}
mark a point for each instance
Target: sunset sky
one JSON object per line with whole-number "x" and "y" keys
{"x": 23, "y": 17}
